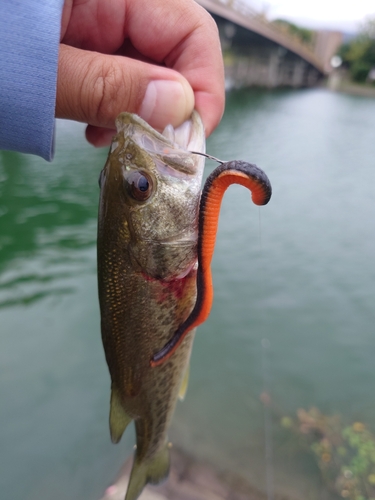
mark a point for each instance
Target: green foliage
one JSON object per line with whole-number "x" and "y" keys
{"x": 359, "y": 71}
{"x": 305, "y": 35}
{"x": 359, "y": 54}
{"x": 345, "y": 454}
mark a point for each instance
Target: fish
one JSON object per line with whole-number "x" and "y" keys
{"x": 156, "y": 238}
{"x": 150, "y": 190}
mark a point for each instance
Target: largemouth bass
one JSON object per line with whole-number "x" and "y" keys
{"x": 147, "y": 264}
{"x": 156, "y": 237}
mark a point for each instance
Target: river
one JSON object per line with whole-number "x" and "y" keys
{"x": 292, "y": 323}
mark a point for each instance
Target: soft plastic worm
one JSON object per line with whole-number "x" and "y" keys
{"x": 233, "y": 172}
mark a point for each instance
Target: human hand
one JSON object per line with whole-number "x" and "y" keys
{"x": 157, "y": 58}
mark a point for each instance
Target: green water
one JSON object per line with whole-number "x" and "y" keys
{"x": 293, "y": 311}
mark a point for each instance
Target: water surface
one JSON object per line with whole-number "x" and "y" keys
{"x": 293, "y": 313}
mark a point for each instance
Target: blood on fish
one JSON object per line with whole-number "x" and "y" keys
{"x": 175, "y": 287}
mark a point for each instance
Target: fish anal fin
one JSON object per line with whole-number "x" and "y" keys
{"x": 118, "y": 418}
{"x": 152, "y": 471}
{"x": 184, "y": 384}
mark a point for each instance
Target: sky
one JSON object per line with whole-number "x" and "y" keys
{"x": 329, "y": 14}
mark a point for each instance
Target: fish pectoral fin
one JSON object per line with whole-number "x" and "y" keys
{"x": 149, "y": 471}
{"x": 184, "y": 384}
{"x": 118, "y": 418}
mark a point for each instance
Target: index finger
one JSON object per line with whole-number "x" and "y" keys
{"x": 184, "y": 37}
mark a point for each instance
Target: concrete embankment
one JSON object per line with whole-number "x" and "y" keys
{"x": 338, "y": 81}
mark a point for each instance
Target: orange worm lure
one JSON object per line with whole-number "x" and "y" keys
{"x": 232, "y": 172}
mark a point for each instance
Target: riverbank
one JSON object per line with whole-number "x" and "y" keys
{"x": 338, "y": 81}
{"x": 356, "y": 89}
{"x": 189, "y": 479}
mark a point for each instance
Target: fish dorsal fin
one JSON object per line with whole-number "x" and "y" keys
{"x": 118, "y": 418}
{"x": 184, "y": 384}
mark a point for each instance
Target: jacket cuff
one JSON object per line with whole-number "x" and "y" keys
{"x": 30, "y": 36}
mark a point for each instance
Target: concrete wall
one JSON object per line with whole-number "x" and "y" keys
{"x": 268, "y": 68}
{"x": 252, "y": 60}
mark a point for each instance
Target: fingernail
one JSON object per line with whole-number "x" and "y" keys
{"x": 167, "y": 102}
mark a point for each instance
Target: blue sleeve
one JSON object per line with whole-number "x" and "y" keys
{"x": 29, "y": 47}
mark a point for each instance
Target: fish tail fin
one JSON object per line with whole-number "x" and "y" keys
{"x": 153, "y": 471}
{"x": 118, "y": 418}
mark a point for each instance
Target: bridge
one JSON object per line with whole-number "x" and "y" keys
{"x": 258, "y": 52}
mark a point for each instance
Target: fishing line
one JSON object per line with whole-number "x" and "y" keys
{"x": 266, "y": 372}
{"x": 207, "y": 156}
{"x": 265, "y": 369}
{"x": 268, "y": 438}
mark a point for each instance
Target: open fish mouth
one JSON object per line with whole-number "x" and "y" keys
{"x": 171, "y": 149}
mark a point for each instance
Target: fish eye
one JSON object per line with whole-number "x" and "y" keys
{"x": 139, "y": 185}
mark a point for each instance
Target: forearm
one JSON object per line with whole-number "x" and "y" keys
{"x": 29, "y": 46}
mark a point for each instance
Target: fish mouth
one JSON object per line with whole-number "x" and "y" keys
{"x": 172, "y": 149}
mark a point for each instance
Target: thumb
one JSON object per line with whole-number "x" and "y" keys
{"x": 94, "y": 88}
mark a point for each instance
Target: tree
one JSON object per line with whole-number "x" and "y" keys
{"x": 359, "y": 54}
